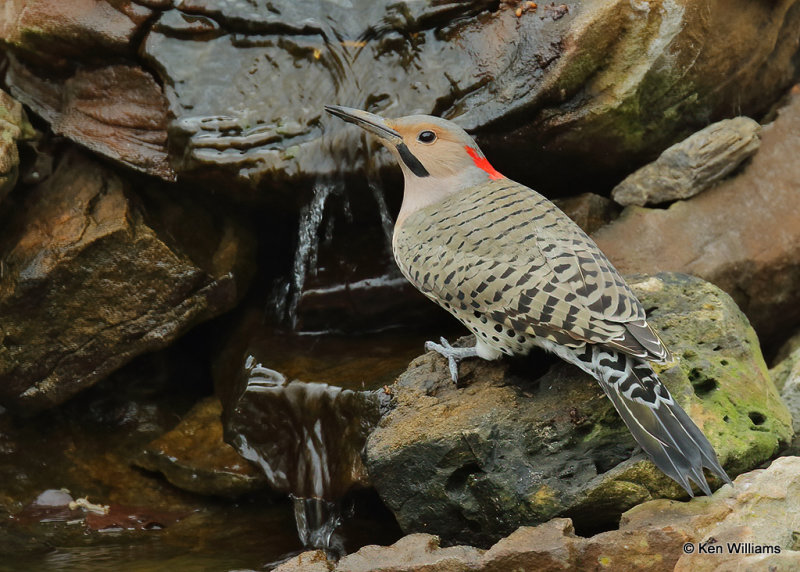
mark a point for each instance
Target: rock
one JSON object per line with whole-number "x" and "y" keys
{"x": 362, "y": 305}
{"x": 693, "y": 165}
{"x": 743, "y": 235}
{"x": 51, "y": 33}
{"x": 93, "y": 277}
{"x": 589, "y": 89}
{"x": 788, "y": 362}
{"x": 412, "y": 552}
{"x": 757, "y": 514}
{"x": 472, "y": 464}
{"x": 589, "y": 211}
{"x": 786, "y": 376}
{"x": 788, "y": 348}
{"x": 310, "y": 561}
{"x": 194, "y": 457}
{"x": 13, "y": 127}
{"x": 118, "y": 111}
{"x": 73, "y": 63}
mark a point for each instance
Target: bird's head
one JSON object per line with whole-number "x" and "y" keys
{"x": 438, "y": 158}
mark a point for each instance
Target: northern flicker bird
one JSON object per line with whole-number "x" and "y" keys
{"x": 518, "y": 273}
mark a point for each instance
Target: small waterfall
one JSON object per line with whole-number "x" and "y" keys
{"x": 317, "y": 520}
{"x": 307, "y": 438}
{"x": 305, "y": 256}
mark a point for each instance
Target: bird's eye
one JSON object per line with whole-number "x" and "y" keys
{"x": 426, "y": 136}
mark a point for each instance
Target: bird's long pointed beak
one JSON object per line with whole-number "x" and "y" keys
{"x": 375, "y": 124}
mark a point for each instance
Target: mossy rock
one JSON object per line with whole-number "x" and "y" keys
{"x": 521, "y": 442}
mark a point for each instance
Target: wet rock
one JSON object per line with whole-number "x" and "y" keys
{"x": 93, "y": 277}
{"x": 306, "y": 437}
{"x": 514, "y": 447}
{"x": 743, "y": 235}
{"x": 118, "y": 111}
{"x": 562, "y": 82}
{"x": 593, "y": 78}
{"x": 74, "y": 64}
{"x": 362, "y": 305}
{"x": 50, "y": 33}
{"x": 693, "y": 165}
{"x": 757, "y": 515}
{"x": 194, "y": 457}
{"x": 13, "y": 127}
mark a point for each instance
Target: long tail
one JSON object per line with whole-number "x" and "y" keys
{"x": 660, "y": 426}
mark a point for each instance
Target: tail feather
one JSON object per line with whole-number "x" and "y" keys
{"x": 664, "y": 430}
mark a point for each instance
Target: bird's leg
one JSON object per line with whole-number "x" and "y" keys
{"x": 453, "y": 355}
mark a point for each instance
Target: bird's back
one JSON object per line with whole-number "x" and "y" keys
{"x": 516, "y": 270}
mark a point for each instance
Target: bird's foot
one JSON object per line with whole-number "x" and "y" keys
{"x": 453, "y": 355}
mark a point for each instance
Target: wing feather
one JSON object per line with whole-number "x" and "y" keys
{"x": 525, "y": 263}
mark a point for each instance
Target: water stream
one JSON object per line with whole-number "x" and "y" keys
{"x": 308, "y": 242}
{"x": 307, "y": 438}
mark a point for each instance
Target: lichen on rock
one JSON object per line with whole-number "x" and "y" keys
{"x": 14, "y": 126}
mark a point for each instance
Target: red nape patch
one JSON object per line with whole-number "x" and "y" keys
{"x": 483, "y": 163}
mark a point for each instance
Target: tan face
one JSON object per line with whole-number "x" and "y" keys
{"x": 441, "y": 150}
{"x": 438, "y": 158}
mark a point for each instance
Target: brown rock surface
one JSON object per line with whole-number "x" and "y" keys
{"x": 588, "y": 210}
{"x": 310, "y": 561}
{"x": 194, "y": 457}
{"x": 93, "y": 277}
{"x": 758, "y": 513}
{"x": 743, "y": 235}
{"x": 118, "y": 111}
{"x": 52, "y": 31}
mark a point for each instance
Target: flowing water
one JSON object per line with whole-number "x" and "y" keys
{"x": 307, "y": 438}
{"x": 308, "y": 242}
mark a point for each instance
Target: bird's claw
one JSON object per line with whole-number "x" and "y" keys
{"x": 453, "y": 355}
